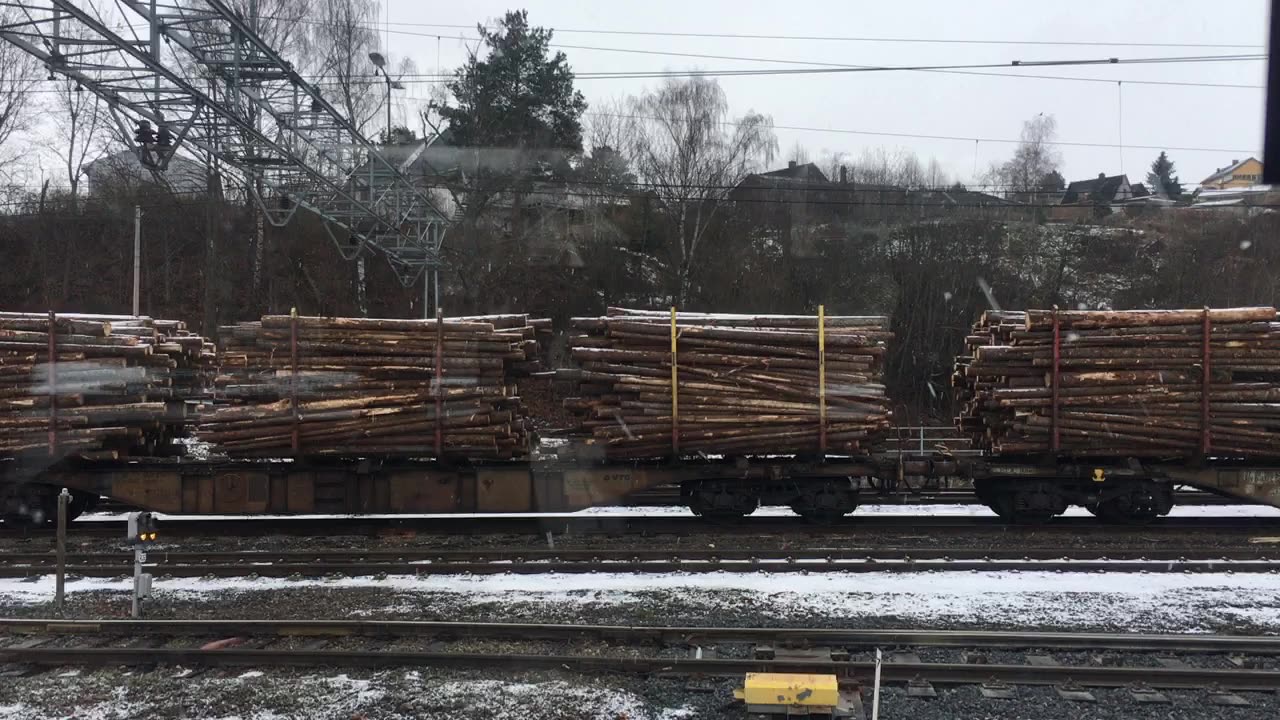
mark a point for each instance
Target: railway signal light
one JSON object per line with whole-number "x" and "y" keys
{"x": 143, "y": 528}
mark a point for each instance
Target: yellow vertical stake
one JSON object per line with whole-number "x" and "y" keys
{"x": 675, "y": 394}
{"x": 822, "y": 379}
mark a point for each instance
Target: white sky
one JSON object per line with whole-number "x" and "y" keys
{"x": 1228, "y": 119}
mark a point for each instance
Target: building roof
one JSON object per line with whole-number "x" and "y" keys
{"x": 962, "y": 198}
{"x": 1223, "y": 173}
{"x": 1104, "y": 186}
{"x": 807, "y": 172}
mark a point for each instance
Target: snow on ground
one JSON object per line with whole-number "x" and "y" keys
{"x": 316, "y": 695}
{"x": 1137, "y": 601}
{"x": 766, "y": 511}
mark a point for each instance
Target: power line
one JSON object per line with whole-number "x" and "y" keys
{"x": 705, "y": 56}
{"x": 813, "y": 64}
{"x": 957, "y": 138}
{"x": 854, "y": 38}
{"x": 831, "y": 68}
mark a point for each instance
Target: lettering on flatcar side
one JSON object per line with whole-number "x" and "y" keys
{"x": 1252, "y": 477}
{"x": 617, "y": 477}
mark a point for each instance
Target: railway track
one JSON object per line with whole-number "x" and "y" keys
{"x": 623, "y": 524}
{"x": 1212, "y": 662}
{"x": 315, "y": 563}
{"x": 668, "y": 497}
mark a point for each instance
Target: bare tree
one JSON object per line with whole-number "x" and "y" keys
{"x": 833, "y": 162}
{"x": 19, "y": 73}
{"x": 610, "y": 124}
{"x": 343, "y": 36}
{"x": 935, "y": 176}
{"x": 81, "y": 131}
{"x": 1033, "y": 160}
{"x": 798, "y": 154}
{"x": 691, "y": 153}
{"x": 897, "y": 168}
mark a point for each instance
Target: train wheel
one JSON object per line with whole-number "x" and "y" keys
{"x": 1142, "y": 505}
{"x": 721, "y": 501}
{"x": 826, "y": 502}
{"x": 1024, "y": 502}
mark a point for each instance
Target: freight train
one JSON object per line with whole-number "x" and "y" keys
{"x": 773, "y": 456}
{"x": 1020, "y": 490}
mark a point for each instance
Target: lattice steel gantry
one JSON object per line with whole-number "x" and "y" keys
{"x": 196, "y": 77}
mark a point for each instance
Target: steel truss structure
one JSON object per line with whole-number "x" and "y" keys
{"x": 194, "y": 76}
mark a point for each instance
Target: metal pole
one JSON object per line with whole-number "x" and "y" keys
{"x": 138, "y": 555}
{"x": 875, "y": 698}
{"x": 387, "y": 77}
{"x": 137, "y": 258}
{"x": 60, "y": 592}
{"x": 426, "y": 295}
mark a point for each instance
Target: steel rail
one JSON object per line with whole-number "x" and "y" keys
{"x": 363, "y": 569}
{"x": 278, "y": 565}
{"x": 940, "y": 673}
{"x": 852, "y": 525}
{"x": 542, "y": 554}
{"x": 846, "y": 638}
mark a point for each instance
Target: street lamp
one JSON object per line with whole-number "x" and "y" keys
{"x": 380, "y": 63}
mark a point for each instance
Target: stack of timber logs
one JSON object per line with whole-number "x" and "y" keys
{"x": 743, "y": 384}
{"x": 1139, "y": 383}
{"x": 117, "y": 385}
{"x": 364, "y": 386}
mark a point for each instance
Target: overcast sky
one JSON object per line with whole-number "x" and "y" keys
{"x": 1227, "y": 120}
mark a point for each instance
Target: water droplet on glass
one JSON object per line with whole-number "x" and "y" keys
{"x": 1246, "y": 244}
{"x": 1082, "y": 306}
{"x": 946, "y": 296}
{"x": 986, "y": 290}
{"x": 1072, "y": 337}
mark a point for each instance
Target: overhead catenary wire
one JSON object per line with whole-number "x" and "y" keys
{"x": 649, "y": 74}
{"x": 958, "y": 138}
{"x": 857, "y": 38}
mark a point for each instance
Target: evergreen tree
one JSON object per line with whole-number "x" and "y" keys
{"x": 1052, "y": 182}
{"x": 607, "y": 169}
{"x": 518, "y": 97}
{"x": 1161, "y": 178}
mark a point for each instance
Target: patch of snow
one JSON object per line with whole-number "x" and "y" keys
{"x": 117, "y": 707}
{"x": 250, "y": 675}
{"x": 625, "y": 511}
{"x": 1141, "y": 601}
{"x": 518, "y": 701}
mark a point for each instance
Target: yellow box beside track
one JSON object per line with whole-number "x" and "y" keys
{"x": 790, "y": 689}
